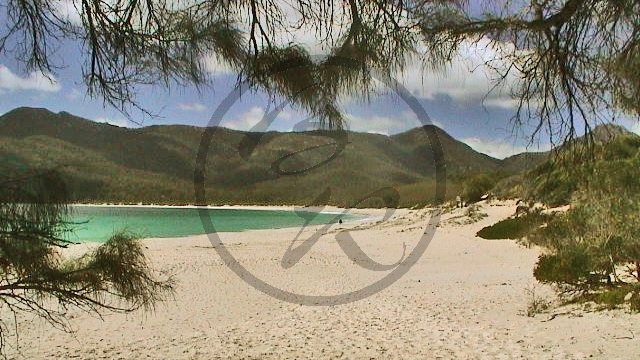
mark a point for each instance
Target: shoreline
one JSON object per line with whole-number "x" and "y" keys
{"x": 463, "y": 298}
{"x": 328, "y": 209}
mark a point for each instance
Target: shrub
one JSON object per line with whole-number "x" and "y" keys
{"x": 513, "y": 228}
{"x": 613, "y": 297}
{"x": 572, "y": 266}
{"x": 476, "y": 186}
{"x": 536, "y": 304}
{"x": 594, "y": 247}
{"x": 474, "y": 214}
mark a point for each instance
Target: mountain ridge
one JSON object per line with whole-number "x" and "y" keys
{"x": 107, "y": 163}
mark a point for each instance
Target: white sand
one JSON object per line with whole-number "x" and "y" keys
{"x": 464, "y": 299}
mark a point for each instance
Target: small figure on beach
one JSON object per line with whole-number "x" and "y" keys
{"x": 340, "y": 221}
{"x": 458, "y": 202}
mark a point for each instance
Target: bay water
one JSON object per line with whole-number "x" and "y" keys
{"x": 98, "y": 223}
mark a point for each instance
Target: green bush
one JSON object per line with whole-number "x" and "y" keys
{"x": 593, "y": 250}
{"x": 476, "y": 186}
{"x": 611, "y": 298}
{"x": 513, "y": 228}
{"x": 572, "y": 266}
{"x": 511, "y": 187}
{"x": 614, "y": 296}
{"x": 594, "y": 246}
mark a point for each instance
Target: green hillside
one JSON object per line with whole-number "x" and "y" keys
{"x": 155, "y": 164}
{"x": 579, "y": 164}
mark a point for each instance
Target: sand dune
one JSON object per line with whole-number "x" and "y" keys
{"x": 465, "y": 298}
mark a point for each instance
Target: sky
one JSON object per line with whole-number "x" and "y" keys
{"x": 457, "y": 100}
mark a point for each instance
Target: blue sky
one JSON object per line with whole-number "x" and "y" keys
{"x": 457, "y": 100}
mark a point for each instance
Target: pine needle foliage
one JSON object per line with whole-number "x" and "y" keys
{"x": 568, "y": 64}
{"x": 35, "y": 277}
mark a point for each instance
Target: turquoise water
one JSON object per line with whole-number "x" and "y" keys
{"x": 97, "y": 223}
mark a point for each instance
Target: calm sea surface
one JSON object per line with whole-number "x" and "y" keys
{"x": 97, "y": 223}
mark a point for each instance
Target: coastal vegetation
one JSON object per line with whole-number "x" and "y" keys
{"x": 514, "y": 227}
{"x": 592, "y": 249}
{"x": 478, "y": 185}
{"x": 594, "y": 245}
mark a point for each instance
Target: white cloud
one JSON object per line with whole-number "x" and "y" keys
{"x": 214, "y": 66}
{"x": 467, "y": 79}
{"x": 382, "y": 124}
{"x": 252, "y": 117}
{"x": 410, "y": 120}
{"x": 196, "y": 107}
{"x": 437, "y": 123}
{"x": 74, "y": 94}
{"x": 68, "y": 11}
{"x": 501, "y": 149}
{"x": 247, "y": 120}
{"x": 117, "y": 122}
{"x": 501, "y": 103}
{"x": 36, "y": 81}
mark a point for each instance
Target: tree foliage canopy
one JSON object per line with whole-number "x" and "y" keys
{"x": 33, "y": 218}
{"x": 573, "y": 60}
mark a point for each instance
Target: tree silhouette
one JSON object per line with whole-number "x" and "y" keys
{"x": 33, "y": 217}
{"x": 566, "y": 62}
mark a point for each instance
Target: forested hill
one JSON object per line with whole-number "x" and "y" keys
{"x": 155, "y": 164}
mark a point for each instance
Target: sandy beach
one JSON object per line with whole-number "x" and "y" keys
{"x": 465, "y": 298}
